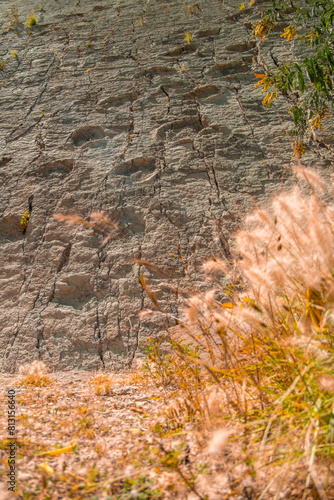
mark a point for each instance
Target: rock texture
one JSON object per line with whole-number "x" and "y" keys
{"x": 105, "y": 106}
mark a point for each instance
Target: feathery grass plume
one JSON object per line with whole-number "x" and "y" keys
{"x": 101, "y": 224}
{"x": 310, "y": 176}
{"x": 266, "y": 340}
{"x": 216, "y": 266}
{"x": 35, "y": 373}
{"x": 326, "y": 383}
{"x": 218, "y": 440}
{"x": 193, "y": 308}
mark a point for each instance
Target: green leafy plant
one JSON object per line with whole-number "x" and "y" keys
{"x": 140, "y": 487}
{"x": 306, "y": 81}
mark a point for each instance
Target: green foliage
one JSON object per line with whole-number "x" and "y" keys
{"x": 166, "y": 367}
{"x": 140, "y": 487}
{"x": 307, "y": 82}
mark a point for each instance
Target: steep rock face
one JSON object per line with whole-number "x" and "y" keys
{"x": 107, "y": 107}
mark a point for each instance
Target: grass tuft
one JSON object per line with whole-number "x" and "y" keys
{"x": 102, "y": 384}
{"x": 256, "y": 352}
{"x": 35, "y": 373}
{"x": 31, "y": 21}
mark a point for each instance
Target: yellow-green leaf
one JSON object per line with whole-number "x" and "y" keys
{"x": 47, "y": 468}
{"x": 60, "y": 451}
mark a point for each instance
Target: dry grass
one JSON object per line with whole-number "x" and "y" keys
{"x": 13, "y": 16}
{"x": 263, "y": 337}
{"x": 99, "y": 223}
{"x": 35, "y": 374}
{"x": 102, "y": 384}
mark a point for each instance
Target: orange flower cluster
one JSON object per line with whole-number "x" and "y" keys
{"x": 290, "y": 33}
{"x": 262, "y": 28}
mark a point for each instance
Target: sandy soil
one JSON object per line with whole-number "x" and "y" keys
{"x": 104, "y": 429}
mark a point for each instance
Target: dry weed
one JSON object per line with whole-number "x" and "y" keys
{"x": 99, "y": 223}
{"x": 35, "y": 373}
{"x": 102, "y": 384}
{"x": 264, "y": 338}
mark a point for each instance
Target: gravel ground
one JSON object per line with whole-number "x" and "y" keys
{"x": 72, "y": 443}
{"x": 104, "y": 429}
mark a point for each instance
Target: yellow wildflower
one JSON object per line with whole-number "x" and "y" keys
{"x": 188, "y": 37}
{"x": 299, "y": 149}
{"x": 268, "y": 100}
{"x": 262, "y": 28}
{"x": 313, "y": 35}
{"x": 290, "y": 33}
{"x": 242, "y": 6}
{"x": 316, "y": 121}
{"x": 24, "y": 221}
{"x": 265, "y": 80}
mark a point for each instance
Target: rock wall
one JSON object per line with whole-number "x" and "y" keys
{"x": 105, "y": 106}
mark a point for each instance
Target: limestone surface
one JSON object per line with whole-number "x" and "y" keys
{"x": 146, "y": 111}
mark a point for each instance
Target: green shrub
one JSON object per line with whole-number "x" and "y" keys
{"x": 307, "y": 82}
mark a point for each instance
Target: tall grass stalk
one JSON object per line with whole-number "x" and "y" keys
{"x": 260, "y": 343}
